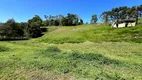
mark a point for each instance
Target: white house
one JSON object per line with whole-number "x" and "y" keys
{"x": 124, "y": 23}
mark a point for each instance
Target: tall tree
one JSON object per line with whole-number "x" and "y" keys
{"x": 12, "y": 30}
{"x": 34, "y": 26}
{"x": 123, "y": 13}
{"x": 105, "y": 17}
{"x": 81, "y": 22}
{"x": 64, "y": 21}
{"x": 94, "y": 19}
{"x": 140, "y": 11}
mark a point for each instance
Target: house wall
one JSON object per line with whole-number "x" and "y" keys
{"x": 131, "y": 24}
{"x": 124, "y": 25}
{"x": 121, "y": 25}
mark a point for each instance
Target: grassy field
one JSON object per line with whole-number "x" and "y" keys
{"x": 93, "y": 33}
{"x": 87, "y": 52}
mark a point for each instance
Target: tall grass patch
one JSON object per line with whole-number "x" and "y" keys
{"x": 4, "y": 49}
{"x": 83, "y": 64}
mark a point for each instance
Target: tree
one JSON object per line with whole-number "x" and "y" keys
{"x": 140, "y": 11}
{"x": 45, "y": 23}
{"x": 20, "y": 30}
{"x": 52, "y": 20}
{"x": 56, "y": 23}
{"x": 34, "y": 26}
{"x": 129, "y": 13}
{"x": 60, "y": 20}
{"x": 6, "y": 29}
{"x": 122, "y": 13}
{"x": 94, "y": 19}
{"x": 137, "y": 14}
{"x": 134, "y": 13}
{"x": 12, "y": 30}
{"x": 71, "y": 19}
{"x": 81, "y": 22}
{"x": 64, "y": 21}
{"x": 105, "y": 17}
{"x": 76, "y": 21}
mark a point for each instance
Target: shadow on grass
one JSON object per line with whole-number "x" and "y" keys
{"x": 18, "y": 39}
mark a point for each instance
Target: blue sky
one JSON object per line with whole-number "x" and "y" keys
{"x": 22, "y": 10}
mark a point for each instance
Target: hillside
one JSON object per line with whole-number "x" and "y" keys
{"x": 92, "y": 33}
{"x": 85, "y": 52}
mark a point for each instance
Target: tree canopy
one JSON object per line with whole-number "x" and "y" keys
{"x": 60, "y": 20}
{"x": 34, "y": 25}
{"x": 122, "y": 13}
{"x": 94, "y": 19}
{"x": 11, "y": 30}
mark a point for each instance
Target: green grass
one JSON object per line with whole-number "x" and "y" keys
{"x": 93, "y": 33}
{"x": 4, "y": 49}
{"x": 87, "y": 52}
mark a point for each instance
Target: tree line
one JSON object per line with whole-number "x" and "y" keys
{"x": 122, "y": 13}
{"x": 60, "y": 20}
{"x": 13, "y": 30}
{"x": 33, "y": 27}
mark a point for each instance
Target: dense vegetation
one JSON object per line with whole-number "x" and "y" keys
{"x": 13, "y": 30}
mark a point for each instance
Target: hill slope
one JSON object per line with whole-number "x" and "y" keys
{"x": 93, "y": 33}
{"x": 87, "y": 52}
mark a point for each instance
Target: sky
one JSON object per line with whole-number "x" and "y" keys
{"x": 23, "y": 10}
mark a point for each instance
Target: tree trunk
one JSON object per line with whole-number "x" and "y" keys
{"x": 137, "y": 15}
